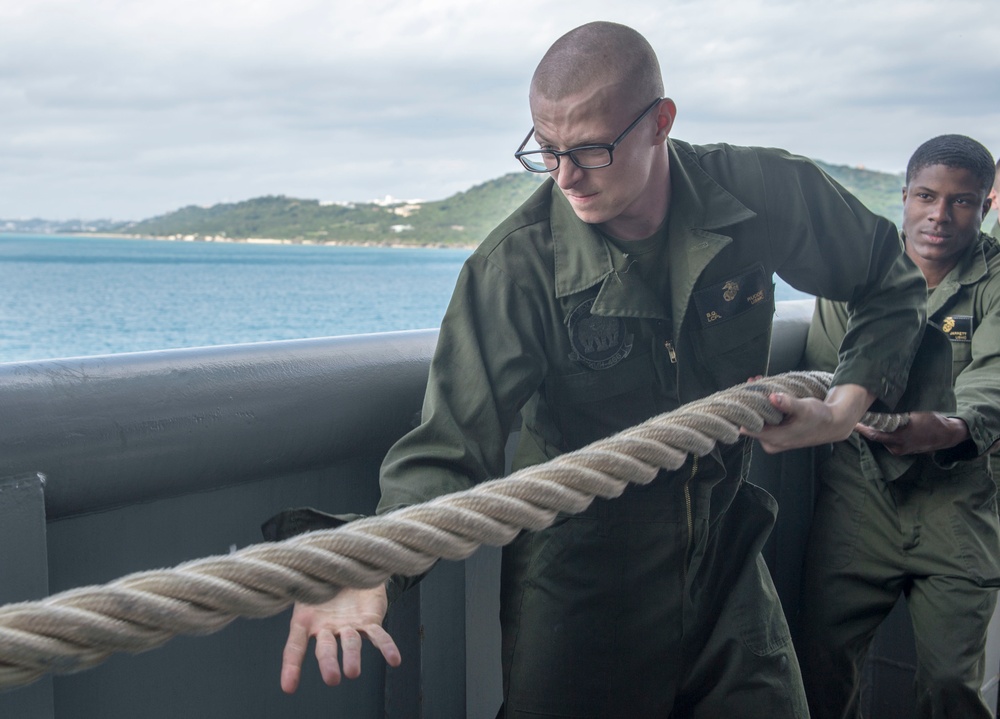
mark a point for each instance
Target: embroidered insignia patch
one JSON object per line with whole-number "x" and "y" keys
{"x": 958, "y": 328}
{"x": 598, "y": 342}
{"x": 728, "y": 299}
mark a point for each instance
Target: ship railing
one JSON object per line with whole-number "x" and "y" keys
{"x": 115, "y": 464}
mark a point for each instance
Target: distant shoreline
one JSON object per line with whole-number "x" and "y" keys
{"x": 254, "y": 240}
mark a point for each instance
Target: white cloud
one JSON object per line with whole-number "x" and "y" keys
{"x": 132, "y": 108}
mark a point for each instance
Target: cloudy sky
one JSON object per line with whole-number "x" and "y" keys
{"x": 126, "y": 109}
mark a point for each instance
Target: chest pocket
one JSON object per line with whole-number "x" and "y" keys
{"x": 592, "y": 404}
{"x": 961, "y": 356}
{"x": 734, "y": 326}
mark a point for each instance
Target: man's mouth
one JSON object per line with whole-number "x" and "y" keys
{"x": 935, "y": 236}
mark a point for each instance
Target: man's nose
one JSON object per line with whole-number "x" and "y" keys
{"x": 568, "y": 173}
{"x": 941, "y": 210}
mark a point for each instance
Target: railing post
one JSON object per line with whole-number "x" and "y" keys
{"x": 24, "y": 576}
{"x": 403, "y": 695}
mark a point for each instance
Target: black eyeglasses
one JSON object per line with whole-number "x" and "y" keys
{"x": 589, "y": 157}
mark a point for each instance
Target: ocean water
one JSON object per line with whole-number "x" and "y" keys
{"x": 68, "y": 296}
{"x": 65, "y": 296}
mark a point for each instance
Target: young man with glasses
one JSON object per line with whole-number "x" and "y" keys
{"x": 637, "y": 279}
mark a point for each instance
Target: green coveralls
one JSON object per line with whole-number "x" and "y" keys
{"x": 658, "y": 601}
{"x": 921, "y": 525}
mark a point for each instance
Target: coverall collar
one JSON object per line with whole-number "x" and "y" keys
{"x": 698, "y": 205}
{"x": 971, "y": 268}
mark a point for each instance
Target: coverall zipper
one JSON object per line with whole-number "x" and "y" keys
{"x": 670, "y": 351}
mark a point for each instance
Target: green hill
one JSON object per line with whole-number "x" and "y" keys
{"x": 462, "y": 219}
{"x": 881, "y": 192}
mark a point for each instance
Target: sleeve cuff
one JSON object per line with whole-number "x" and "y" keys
{"x": 946, "y": 458}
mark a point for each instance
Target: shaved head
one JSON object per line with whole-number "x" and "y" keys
{"x": 600, "y": 54}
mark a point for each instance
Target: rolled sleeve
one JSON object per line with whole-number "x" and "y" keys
{"x": 977, "y": 387}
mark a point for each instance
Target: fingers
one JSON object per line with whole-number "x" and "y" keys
{"x": 338, "y": 644}
{"x": 350, "y": 645}
{"x": 877, "y": 435}
{"x": 292, "y": 656}
{"x": 326, "y": 656}
{"x": 894, "y": 444}
{"x": 380, "y": 638}
{"x": 869, "y": 433}
{"x": 783, "y": 402}
{"x": 351, "y": 641}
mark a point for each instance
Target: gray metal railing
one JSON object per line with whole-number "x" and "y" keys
{"x": 113, "y": 430}
{"x": 110, "y": 465}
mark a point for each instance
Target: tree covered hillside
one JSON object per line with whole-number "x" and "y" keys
{"x": 462, "y": 219}
{"x": 880, "y": 191}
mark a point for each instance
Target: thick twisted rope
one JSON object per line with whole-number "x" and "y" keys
{"x": 80, "y": 628}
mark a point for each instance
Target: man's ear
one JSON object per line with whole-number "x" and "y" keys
{"x": 665, "y": 115}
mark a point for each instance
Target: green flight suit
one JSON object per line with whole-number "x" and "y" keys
{"x": 658, "y": 601}
{"x": 925, "y": 526}
{"x": 995, "y": 230}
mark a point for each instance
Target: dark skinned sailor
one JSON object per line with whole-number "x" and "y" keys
{"x": 914, "y": 512}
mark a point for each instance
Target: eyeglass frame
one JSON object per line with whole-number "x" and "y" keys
{"x": 558, "y": 154}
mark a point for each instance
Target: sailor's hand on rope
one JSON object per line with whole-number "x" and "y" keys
{"x": 348, "y": 617}
{"x": 808, "y": 422}
{"x": 925, "y": 432}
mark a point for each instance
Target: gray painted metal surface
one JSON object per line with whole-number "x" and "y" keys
{"x": 110, "y": 431}
{"x": 151, "y": 459}
{"x": 24, "y": 575}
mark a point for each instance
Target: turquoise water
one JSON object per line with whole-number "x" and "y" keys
{"x": 65, "y": 296}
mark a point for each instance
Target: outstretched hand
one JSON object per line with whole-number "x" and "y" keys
{"x": 351, "y": 614}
